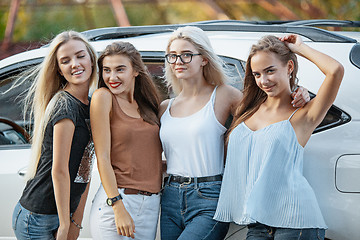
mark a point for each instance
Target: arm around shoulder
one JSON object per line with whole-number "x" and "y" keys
{"x": 333, "y": 71}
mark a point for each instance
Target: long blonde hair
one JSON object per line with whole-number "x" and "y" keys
{"x": 46, "y": 90}
{"x": 214, "y": 71}
{"x": 253, "y": 96}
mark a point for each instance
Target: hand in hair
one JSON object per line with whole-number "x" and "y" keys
{"x": 292, "y": 41}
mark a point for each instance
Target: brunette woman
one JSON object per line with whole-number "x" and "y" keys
{"x": 264, "y": 187}
{"x": 126, "y": 136}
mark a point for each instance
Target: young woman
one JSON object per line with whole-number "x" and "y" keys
{"x": 126, "y": 136}
{"x": 263, "y": 185}
{"x": 54, "y": 197}
{"x": 192, "y": 134}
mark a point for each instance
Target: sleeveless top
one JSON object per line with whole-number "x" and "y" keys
{"x": 263, "y": 180}
{"x": 193, "y": 145}
{"x": 135, "y": 151}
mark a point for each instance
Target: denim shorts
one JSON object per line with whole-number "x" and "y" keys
{"x": 258, "y": 231}
{"x": 29, "y": 225}
{"x": 187, "y": 211}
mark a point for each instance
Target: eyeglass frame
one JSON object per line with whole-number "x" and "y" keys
{"x": 179, "y": 56}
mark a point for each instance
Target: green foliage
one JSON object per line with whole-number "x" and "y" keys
{"x": 147, "y": 14}
{"x": 192, "y": 12}
{"x": 41, "y": 22}
{"x": 3, "y": 19}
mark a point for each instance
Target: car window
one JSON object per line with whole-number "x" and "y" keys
{"x": 333, "y": 118}
{"x": 236, "y": 70}
{"x": 11, "y": 108}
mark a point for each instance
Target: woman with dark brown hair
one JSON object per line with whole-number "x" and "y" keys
{"x": 125, "y": 130}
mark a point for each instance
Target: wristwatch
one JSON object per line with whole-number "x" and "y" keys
{"x": 111, "y": 201}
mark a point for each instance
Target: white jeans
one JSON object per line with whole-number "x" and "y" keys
{"x": 144, "y": 210}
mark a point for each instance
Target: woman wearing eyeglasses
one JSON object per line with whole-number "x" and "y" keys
{"x": 192, "y": 134}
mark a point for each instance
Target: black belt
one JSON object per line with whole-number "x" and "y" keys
{"x": 189, "y": 180}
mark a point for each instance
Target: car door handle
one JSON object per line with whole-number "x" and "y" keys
{"x": 22, "y": 172}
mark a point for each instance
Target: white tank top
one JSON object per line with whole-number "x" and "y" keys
{"x": 193, "y": 145}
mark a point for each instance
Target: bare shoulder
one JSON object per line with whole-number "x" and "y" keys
{"x": 163, "y": 106}
{"x": 101, "y": 95}
{"x": 101, "y": 101}
{"x": 229, "y": 94}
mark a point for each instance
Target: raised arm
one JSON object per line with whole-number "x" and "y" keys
{"x": 314, "y": 112}
{"x": 100, "y": 109}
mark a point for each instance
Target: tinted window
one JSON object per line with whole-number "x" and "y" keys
{"x": 10, "y": 106}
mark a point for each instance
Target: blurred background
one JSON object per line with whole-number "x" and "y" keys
{"x": 27, "y": 24}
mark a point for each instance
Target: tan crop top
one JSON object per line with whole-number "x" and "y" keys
{"x": 135, "y": 151}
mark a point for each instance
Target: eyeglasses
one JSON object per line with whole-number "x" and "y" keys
{"x": 184, "y": 57}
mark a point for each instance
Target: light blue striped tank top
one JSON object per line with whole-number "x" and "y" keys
{"x": 263, "y": 180}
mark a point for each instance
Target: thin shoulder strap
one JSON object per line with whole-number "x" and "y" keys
{"x": 169, "y": 105}
{"x": 213, "y": 95}
{"x": 293, "y": 113}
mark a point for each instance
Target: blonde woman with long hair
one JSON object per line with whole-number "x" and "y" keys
{"x": 192, "y": 134}
{"x": 54, "y": 197}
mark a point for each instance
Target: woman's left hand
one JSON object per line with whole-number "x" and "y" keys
{"x": 74, "y": 232}
{"x": 300, "y": 97}
{"x": 62, "y": 233}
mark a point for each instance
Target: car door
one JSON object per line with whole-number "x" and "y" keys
{"x": 14, "y": 149}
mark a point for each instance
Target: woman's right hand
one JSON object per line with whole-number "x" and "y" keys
{"x": 293, "y": 42}
{"x": 124, "y": 223}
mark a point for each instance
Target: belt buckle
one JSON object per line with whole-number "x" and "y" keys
{"x": 145, "y": 193}
{"x": 186, "y": 182}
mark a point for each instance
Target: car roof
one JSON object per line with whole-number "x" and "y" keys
{"x": 310, "y": 32}
{"x": 154, "y": 39}
{"x": 232, "y": 29}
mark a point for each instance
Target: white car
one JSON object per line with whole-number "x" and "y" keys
{"x": 332, "y": 156}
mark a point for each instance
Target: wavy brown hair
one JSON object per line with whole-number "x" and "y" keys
{"x": 253, "y": 96}
{"x": 145, "y": 92}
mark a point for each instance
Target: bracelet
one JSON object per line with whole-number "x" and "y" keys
{"x": 77, "y": 225}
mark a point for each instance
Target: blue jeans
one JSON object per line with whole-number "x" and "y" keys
{"x": 29, "y": 225}
{"x": 187, "y": 212}
{"x": 258, "y": 231}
